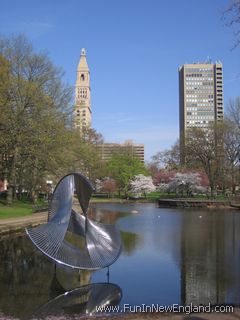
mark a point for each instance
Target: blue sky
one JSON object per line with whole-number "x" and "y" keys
{"x": 134, "y": 49}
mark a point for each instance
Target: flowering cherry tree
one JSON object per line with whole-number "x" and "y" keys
{"x": 163, "y": 176}
{"x": 142, "y": 185}
{"x": 186, "y": 183}
{"x": 106, "y": 185}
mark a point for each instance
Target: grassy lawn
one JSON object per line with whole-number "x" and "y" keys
{"x": 105, "y": 200}
{"x": 18, "y": 209}
{"x": 165, "y": 195}
{"x": 154, "y": 196}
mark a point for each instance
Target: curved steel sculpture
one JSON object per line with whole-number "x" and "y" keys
{"x": 101, "y": 244}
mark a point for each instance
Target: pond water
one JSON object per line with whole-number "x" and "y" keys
{"x": 169, "y": 256}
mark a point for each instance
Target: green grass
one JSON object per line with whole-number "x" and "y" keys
{"x": 164, "y": 195}
{"x": 18, "y": 209}
{"x": 104, "y": 200}
{"x": 154, "y": 196}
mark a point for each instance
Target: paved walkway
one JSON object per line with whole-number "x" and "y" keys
{"x": 16, "y": 224}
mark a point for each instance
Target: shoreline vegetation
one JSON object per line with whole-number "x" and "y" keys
{"x": 21, "y": 215}
{"x": 25, "y": 208}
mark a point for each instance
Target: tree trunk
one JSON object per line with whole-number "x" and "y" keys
{"x": 12, "y": 179}
{"x": 10, "y": 196}
{"x": 34, "y": 197}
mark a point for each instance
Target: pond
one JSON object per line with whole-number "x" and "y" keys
{"x": 169, "y": 256}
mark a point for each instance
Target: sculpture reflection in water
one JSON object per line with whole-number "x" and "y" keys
{"x": 87, "y": 299}
{"x": 102, "y": 242}
{"x": 73, "y": 240}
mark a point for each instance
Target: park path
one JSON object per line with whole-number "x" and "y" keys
{"x": 16, "y": 224}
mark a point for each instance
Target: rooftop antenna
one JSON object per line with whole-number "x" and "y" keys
{"x": 209, "y": 60}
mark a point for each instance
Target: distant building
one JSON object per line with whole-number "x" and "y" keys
{"x": 106, "y": 150}
{"x": 200, "y": 96}
{"x": 82, "y": 107}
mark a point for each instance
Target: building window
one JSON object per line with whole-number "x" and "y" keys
{"x": 82, "y": 77}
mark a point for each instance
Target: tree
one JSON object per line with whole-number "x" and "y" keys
{"x": 1, "y": 186}
{"x": 34, "y": 117}
{"x": 204, "y": 148}
{"x": 233, "y": 112}
{"x": 163, "y": 176}
{"x": 85, "y": 156}
{"x": 122, "y": 167}
{"x": 142, "y": 185}
{"x": 4, "y": 104}
{"x": 232, "y": 153}
{"x": 232, "y": 141}
{"x": 217, "y": 151}
{"x": 106, "y": 185}
{"x": 232, "y": 19}
{"x": 185, "y": 183}
{"x": 91, "y": 136}
{"x": 168, "y": 159}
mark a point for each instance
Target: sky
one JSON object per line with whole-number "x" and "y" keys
{"x": 134, "y": 49}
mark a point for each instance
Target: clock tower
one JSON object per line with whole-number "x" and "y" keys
{"x": 82, "y": 108}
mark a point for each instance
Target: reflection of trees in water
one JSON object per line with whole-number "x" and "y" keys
{"x": 131, "y": 242}
{"x": 205, "y": 244}
{"x": 166, "y": 234}
{"x": 210, "y": 247}
{"x": 71, "y": 278}
{"x": 105, "y": 216}
{"x": 28, "y": 279}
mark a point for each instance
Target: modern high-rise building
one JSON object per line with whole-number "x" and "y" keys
{"x": 200, "y": 96}
{"x": 82, "y": 108}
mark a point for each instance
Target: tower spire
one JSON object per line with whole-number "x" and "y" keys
{"x": 82, "y": 65}
{"x": 82, "y": 109}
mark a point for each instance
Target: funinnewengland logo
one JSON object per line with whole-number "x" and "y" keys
{"x": 175, "y": 308}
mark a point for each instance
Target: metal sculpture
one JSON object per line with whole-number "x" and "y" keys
{"x": 101, "y": 244}
{"x": 88, "y": 299}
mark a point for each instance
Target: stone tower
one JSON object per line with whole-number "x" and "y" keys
{"x": 82, "y": 109}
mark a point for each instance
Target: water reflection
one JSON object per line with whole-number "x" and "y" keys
{"x": 183, "y": 256}
{"x": 169, "y": 256}
{"x": 130, "y": 242}
{"x": 18, "y": 269}
{"x": 210, "y": 258}
{"x": 28, "y": 279}
{"x": 85, "y": 300}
